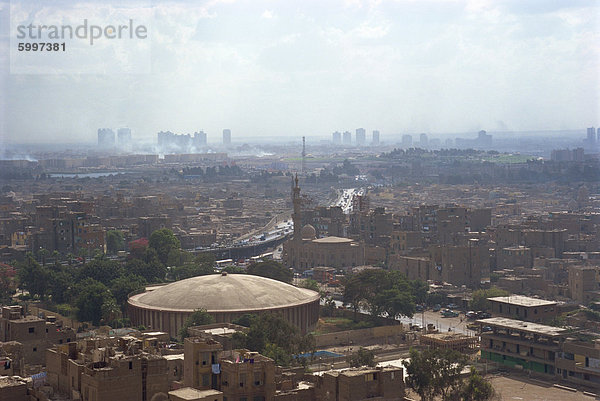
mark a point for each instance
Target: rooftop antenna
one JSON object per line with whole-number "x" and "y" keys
{"x": 303, "y": 168}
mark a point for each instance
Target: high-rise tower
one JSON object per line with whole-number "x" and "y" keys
{"x": 303, "y": 167}
{"x": 297, "y": 214}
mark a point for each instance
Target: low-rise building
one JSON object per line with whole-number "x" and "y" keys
{"x": 530, "y": 346}
{"x": 192, "y": 394}
{"x": 584, "y": 283}
{"x": 361, "y": 384}
{"x": 13, "y": 389}
{"x": 201, "y": 363}
{"x": 247, "y": 375}
{"x": 525, "y": 308}
{"x": 34, "y": 333}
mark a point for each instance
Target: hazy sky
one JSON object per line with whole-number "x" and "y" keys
{"x": 292, "y": 68}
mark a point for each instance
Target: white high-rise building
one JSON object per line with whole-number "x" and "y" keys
{"x": 106, "y": 138}
{"x": 375, "y": 141}
{"x": 226, "y": 137}
{"x": 361, "y": 137}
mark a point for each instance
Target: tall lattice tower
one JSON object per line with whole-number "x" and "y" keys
{"x": 303, "y": 167}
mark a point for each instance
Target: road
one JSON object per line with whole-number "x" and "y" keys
{"x": 455, "y": 324}
{"x": 345, "y": 199}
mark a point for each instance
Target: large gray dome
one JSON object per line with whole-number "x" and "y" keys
{"x": 224, "y": 293}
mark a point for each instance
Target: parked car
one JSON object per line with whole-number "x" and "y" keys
{"x": 483, "y": 315}
{"x": 449, "y": 313}
{"x": 471, "y": 315}
{"x": 473, "y": 326}
{"x": 486, "y": 329}
{"x": 437, "y": 307}
{"x": 452, "y": 306}
{"x": 419, "y": 308}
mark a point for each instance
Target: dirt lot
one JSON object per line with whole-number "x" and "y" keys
{"x": 515, "y": 388}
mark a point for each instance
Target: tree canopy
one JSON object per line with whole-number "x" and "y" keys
{"x": 435, "y": 373}
{"x": 271, "y": 269}
{"x": 479, "y": 300}
{"x": 363, "y": 357}
{"x": 114, "y": 241}
{"x": 198, "y": 318}
{"x": 432, "y": 373}
{"x": 93, "y": 295}
{"x": 381, "y": 292}
{"x": 271, "y": 335}
{"x": 163, "y": 241}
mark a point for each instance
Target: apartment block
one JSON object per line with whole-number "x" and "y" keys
{"x": 247, "y": 375}
{"x": 525, "y": 308}
{"x": 201, "y": 363}
{"x": 361, "y": 384}
{"x": 531, "y": 346}
{"x": 584, "y": 283}
{"x": 551, "y": 352}
{"x": 34, "y": 333}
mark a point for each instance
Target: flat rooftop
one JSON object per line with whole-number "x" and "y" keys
{"x": 220, "y": 331}
{"x": 189, "y": 393}
{"x": 520, "y": 325}
{"x": 521, "y": 300}
{"x": 332, "y": 240}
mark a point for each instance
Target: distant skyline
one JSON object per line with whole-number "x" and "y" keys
{"x": 286, "y": 69}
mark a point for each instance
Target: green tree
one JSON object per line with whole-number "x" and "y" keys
{"x": 122, "y": 286}
{"x": 479, "y": 300}
{"x": 432, "y": 373}
{"x": 198, "y": 318}
{"x": 60, "y": 285}
{"x": 7, "y": 284}
{"x": 190, "y": 270}
{"x": 152, "y": 271}
{"x": 474, "y": 388}
{"x": 419, "y": 289}
{"x": 270, "y": 332}
{"x": 163, "y": 241}
{"x": 110, "y": 310}
{"x": 278, "y": 354}
{"x": 328, "y": 308}
{"x": 234, "y": 270}
{"x": 380, "y": 291}
{"x": 92, "y": 295}
{"x": 364, "y": 357}
{"x": 310, "y": 284}
{"x": 179, "y": 257}
{"x": 245, "y": 320}
{"x": 114, "y": 241}
{"x": 271, "y": 269}
{"x": 101, "y": 270}
{"x": 33, "y": 277}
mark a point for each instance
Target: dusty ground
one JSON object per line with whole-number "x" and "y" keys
{"x": 515, "y": 388}
{"x": 518, "y": 389}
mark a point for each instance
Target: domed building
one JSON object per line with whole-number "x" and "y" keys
{"x": 306, "y": 251}
{"x": 226, "y": 297}
{"x": 309, "y": 232}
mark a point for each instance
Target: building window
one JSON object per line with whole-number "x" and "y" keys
{"x": 34, "y": 349}
{"x": 130, "y": 365}
{"x": 32, "y": 329}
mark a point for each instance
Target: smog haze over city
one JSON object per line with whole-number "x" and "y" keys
{"x": 328, "y": 200}
{"x": 280, "y": 70}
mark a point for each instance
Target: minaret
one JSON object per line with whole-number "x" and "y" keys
{"x": 297, "y": 215}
